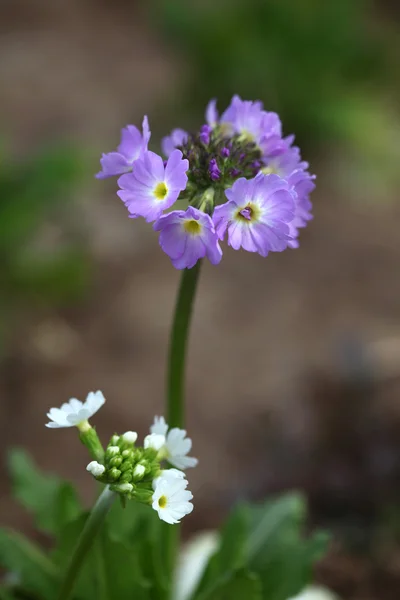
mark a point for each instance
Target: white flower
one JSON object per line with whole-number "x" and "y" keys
{"x": 75, "y": 412}
{"x": 95, "y": 468}
{"x": 159, "y": 426}
{"x": 177, "y": 445}
{"x": 171, "y": 499}
{"x": 192, "y": 561}
{"x": 314, "y": 592}
{"x": 130, "y": 437}
{"x": 154, "y": 440}
{"x": 169, "y": 474}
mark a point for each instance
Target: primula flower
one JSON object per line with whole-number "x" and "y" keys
{"x": 216, "y": 175}
{"x": 152, "y": 188}
{"x": 187, "y": 236}
{"x": 169, "y": 474}
{"x": 75, "y": 413}
{"x": 177, "y": 445}
{"x": 155, "y": 441}
{"x": 176, "y": 138}
{"x": 133, "y": 144}
{"x": 171, "y": 499}
{"x": 257, "y": 215}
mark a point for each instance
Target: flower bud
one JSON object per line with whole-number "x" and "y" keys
{"x": 114, "y": 474}
{"x": 116, "y": 461}
{"x": 112, "y": 451}
{"x": 95, "y": 468}
{"x": 130, "y": 437}
{"x": 123, "y": 488}
{"x": 138, "y": 472}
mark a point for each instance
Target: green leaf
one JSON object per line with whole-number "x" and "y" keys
{"x": 38, "y": 574}
{"x": 121, "y": 571}
{"x": 277, "y": 549}
{"x": 52, "y": 501}
{"x": 136, "y": 529}
{"x": 239, "y": 585}
{"x": 5, "y": 594}
{"x": 231, "y": 552}
{"x": 63, "y": 551}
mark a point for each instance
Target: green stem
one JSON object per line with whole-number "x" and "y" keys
{"x": 177, "y": 347}
{"x": 85, "y": 541}
{"x": 175, "y": 412}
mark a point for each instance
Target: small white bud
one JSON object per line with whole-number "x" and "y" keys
{"x": 154, "y": 440}
{"x": 130, "y": 437}
{"x": 113, "y": 450}
{"x": 139, "y": 471}
{"x": 125, "y": 487}
{"x": 95, "y": 468}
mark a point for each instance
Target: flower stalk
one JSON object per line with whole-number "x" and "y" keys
{"x": 177, "y": 347}
{"x": 85, "y": 541}
{"x": 175, "y": 409}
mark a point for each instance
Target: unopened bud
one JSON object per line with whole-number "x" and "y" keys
{"x": 130, "y": 437}
{"x": 123, "y": 488}
{"x": 114, "y": 474}
{"x": 95, "y": 468}
{"x": 138, "y": 472}
{"x": 112, "y": 450}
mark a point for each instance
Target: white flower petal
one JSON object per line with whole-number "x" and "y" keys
{"x": 192, "y": 561}
{"x": 154, "y": 440}
{"x": 159, "y": 426}
{"x": 74, "y": 412}
{"x": 94, "y": 401}
{"x": 183, "y": 462}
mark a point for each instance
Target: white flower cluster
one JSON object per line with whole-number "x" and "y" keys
{"x": 170, "y": 497}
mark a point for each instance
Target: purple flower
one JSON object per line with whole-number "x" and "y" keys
{"x": 205, "y": 132}
{"x": 187, "y": 236}
{"x": 257, "y": 215}
{"x": 302, "y": 183}
{"x": 153, "y": 187}
{"x": 213, "y": 170}
{"x": 245, "y": 118}
{"x": 249, "y": 120}
{"x": 212, "y": 113}
{"x": 288, "y": 161}
{"x": 176, "y": 138}
{"x": 133, "y": 145}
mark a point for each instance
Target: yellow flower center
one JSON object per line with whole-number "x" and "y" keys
{"x": 271, "y": 169}
{"x": 162, "y": 501}
{"x": 160, "y": 191}
{"x": 192, "y": 227}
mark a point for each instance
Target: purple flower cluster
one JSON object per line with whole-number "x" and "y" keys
{"x": 237, "y": 178}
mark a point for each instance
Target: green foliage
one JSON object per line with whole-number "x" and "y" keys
{"x": 299, "y": 57}
{"x": 262, "y": 554}
{"x": 268, "y": 542}
{"x": 52, "y": 502}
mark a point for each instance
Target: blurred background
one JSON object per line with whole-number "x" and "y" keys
{"x": 294, "y": 366}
